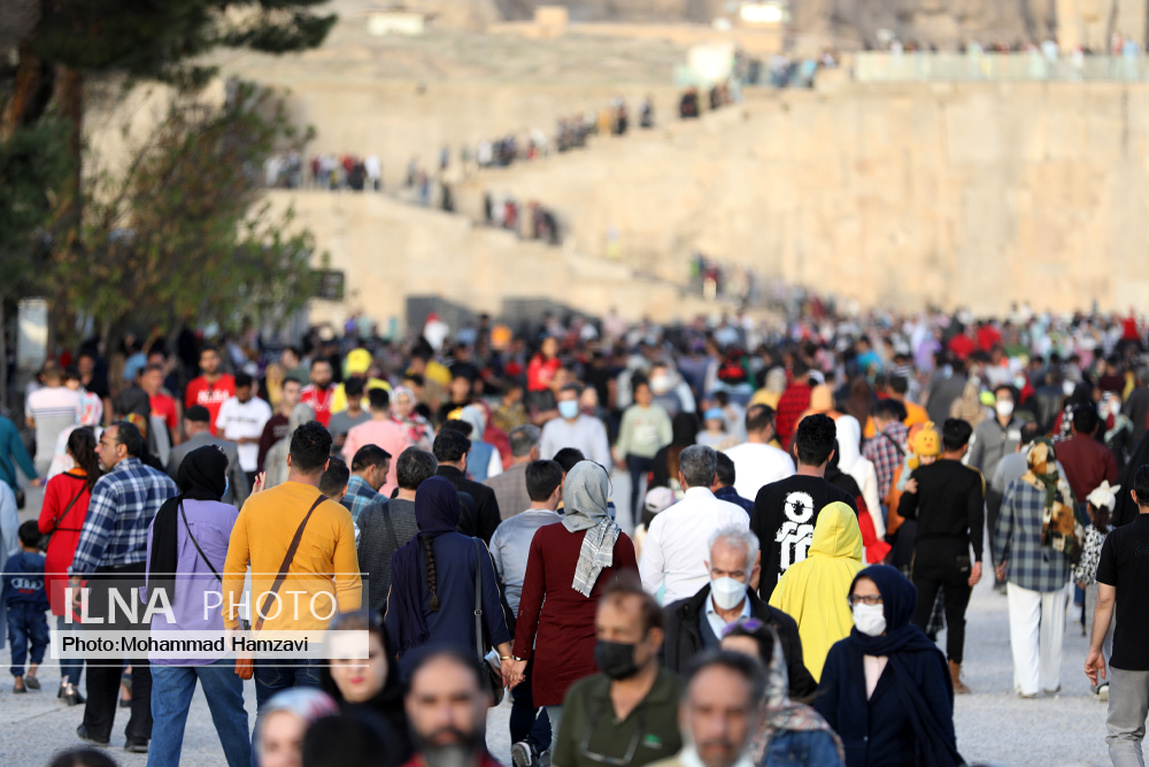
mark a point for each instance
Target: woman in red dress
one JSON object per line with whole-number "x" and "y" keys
{"x": 569, "y": 566}
{"x": 66, "y": 498}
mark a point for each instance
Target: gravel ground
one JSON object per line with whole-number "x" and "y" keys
{"x": 993, "y": 724}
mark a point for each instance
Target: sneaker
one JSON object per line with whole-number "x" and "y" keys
{"x": 136, "y": 745}
{"x": 1024, "y": 696}
{"x": 1102, "y": 692}
{"x": 82, "y": 734}
{"x": 1054, "y": 692}
{"x": 522, "y": 755}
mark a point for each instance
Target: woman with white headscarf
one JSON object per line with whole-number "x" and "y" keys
{"x": 851, "y": 461}
{"x": 569, "y": 566}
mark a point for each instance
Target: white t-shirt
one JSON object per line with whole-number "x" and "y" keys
{"x": 756, "y": 465}
{"x": 54, "y": 409}
{"x": 244, "y": 419}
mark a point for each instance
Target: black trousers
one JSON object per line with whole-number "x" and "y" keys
{"x": 104, "y": 674}
{"x": 935, "y": 566}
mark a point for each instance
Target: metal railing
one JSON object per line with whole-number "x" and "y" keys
{"x": 997, "y": 67}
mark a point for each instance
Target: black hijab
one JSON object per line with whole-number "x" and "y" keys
{"x": 934, "y": 741}
{"x": 202, "y": 477}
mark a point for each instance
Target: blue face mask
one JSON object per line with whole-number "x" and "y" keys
{"x": 568, "y": 408}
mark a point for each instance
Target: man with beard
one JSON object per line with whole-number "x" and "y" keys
{"x": 719, "y": 714}
{"x": 623, "y": 716}
{"x": 319, "y": 394}
{"x": 447, "y": 710}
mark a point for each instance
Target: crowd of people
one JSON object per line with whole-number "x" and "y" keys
{"x": 531, "y": 221}
{"x": 808, "y": 509}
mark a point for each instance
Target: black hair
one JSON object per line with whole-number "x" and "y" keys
{"x": 414, "y": 466}
{"x": 208, "y": 348}
{"x": 130, "y": 437}
{"x": 627, "y": 584}
{"x": 379, "y": 399}
{"x": 758, "y": 417}
{"x": 82, "y": 444}
{"x": 318, "y": 359}
{"x": 72, "y": 373}
{"x": 353, "y": 387}
{"x": 367, "y": 456}
{"x": 310, "y": 447}
{"x": 1006, "y": 387}
{"x": 29, "y": 533}
{"x": 1085, "y": 419}
{"x": 353, "y": 739}
{"x": 748, "y": 668}
{"x": 82, "y": 757}
{"x": 450, "y": 446}
{"x": 955, "y": 434}
{"x": 725, "y": 471}
{"x": 637, "y": 381}
{"x": 899, "y": 384}
{"x": 1141, "y": 485}
{"x": 814, "y": 439}
{"x": 542, "y": 479}
{"x": 334, "y": 478}
{"x": 435, "y": 651}
{"x": 568, "y": 457}
{"x": 462, "y": 427}
{"x": 1029, "y": 432}
{"x": 291, "y": 379}
{"x": 243, "y": 380}
{"x": 886, "y": 409}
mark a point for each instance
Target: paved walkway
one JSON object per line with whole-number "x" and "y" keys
{"x": 993, "y": 724}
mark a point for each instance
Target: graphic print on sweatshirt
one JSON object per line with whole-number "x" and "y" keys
{"x": 796, "y": 532}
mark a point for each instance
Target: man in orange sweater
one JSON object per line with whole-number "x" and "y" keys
{"x": 323, "y": 577}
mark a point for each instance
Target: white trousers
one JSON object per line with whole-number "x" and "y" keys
{"x": 1036, "y": 631}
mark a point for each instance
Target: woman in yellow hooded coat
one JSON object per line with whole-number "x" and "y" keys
{"x": 814, "y": 591}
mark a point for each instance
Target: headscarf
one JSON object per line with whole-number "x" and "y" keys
{"x": 860, "y": 400}
{"x": 782, "y": 714}
{"x": 307, "y": 703}
{"x": 418, "y": 429}
{"x": 934, "y": 743}
{"x": 436, "y": 513}
{"x": 202, "y": 477}
{"x": 1041, "y": 458}
{"x": 585, "y": 495}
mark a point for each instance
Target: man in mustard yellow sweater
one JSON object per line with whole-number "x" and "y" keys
{"x": 323, "y": 576}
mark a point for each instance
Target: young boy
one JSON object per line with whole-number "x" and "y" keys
{"x": 27, "y": 603}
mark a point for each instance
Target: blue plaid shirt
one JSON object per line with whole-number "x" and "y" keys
{"x": 359, "y": 496}
{"x": 1017, "y": 538}
{"x": 124, "y": 502}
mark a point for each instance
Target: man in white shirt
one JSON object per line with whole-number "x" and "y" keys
{"x": 51, "y": 408}
{"x": 676, "y": 548}
{"x": 575, "y": 429}
{"x": 241, "y": 419}
{"x": 756, "y": 461}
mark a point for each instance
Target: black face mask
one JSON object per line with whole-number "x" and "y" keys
{"x": 615, "y": 659}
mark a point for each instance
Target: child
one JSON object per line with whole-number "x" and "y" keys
{"x": 27, "y": 603}
{"x": 714, "y": 435}
{"x": 1100, "y": 504}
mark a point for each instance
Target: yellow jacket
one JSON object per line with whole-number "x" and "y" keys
{"x": 814, "y": 591}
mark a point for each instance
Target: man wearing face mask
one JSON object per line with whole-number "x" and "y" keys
{"x": 574, "y": 429}
{"x": 993, "y": 439}
{"x": 446, "y": 707}
{"x": 696, "y": 624}
{"x": 625, "y": 715}
{"x": 720, "y": 712}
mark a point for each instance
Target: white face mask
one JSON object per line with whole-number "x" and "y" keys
{"x": 1004, "y": 408}
{"x": 727, "y": 592}
{"x": 870, "y": 619}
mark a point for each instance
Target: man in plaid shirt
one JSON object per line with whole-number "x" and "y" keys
{"x": 113, "y": 544}
{"x": 887, "y": 448}
{"x": 369, "y": 469}
{"x": 1037, "y": 575}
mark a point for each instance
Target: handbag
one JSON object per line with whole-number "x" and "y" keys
{"x": 46, "y": 538}
{"x": 245, "y": 667}
{"x": 493, "y": 678}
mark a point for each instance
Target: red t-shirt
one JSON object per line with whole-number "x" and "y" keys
{"x": 540, "y": 372}
{"x": 319, "y": 400}
{"x": 164, "y": 407}
{"x": 210, "y": 395}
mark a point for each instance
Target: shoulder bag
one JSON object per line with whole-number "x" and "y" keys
{"x": 494, "y": 679}
{"x": 46, "y": 538}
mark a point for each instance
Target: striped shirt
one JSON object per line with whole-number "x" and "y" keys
{"x": 1017, "y": 539}
{"x": 124, "y": 501}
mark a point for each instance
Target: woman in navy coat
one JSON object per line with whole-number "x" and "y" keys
{"x": 886, "y": 689}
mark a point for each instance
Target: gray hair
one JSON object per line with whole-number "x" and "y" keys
{"x": 737, "y": 535}
{"x": 699, "y": 464}
{"x": 524, "y": 439}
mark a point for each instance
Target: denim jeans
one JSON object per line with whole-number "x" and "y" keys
{"x": 271, "y": 678}
{"x": 638, "y": 467}
{"x": 527, "y": 722}
{"x": 27, "y": 624}
{"x": 172, "y": 690}
{"x": 69, "y": 668}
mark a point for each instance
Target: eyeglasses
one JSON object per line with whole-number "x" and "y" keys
{"x": 750, "y": 625}
{"x": 866, "y": 599}
{"x": 613, "y": 761}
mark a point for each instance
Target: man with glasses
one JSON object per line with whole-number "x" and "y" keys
{"x": 697, "y": 623}
{"x": 113, "y": 545}
{"x": 624, "y": 716}
{"x": 720, "y": 713}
